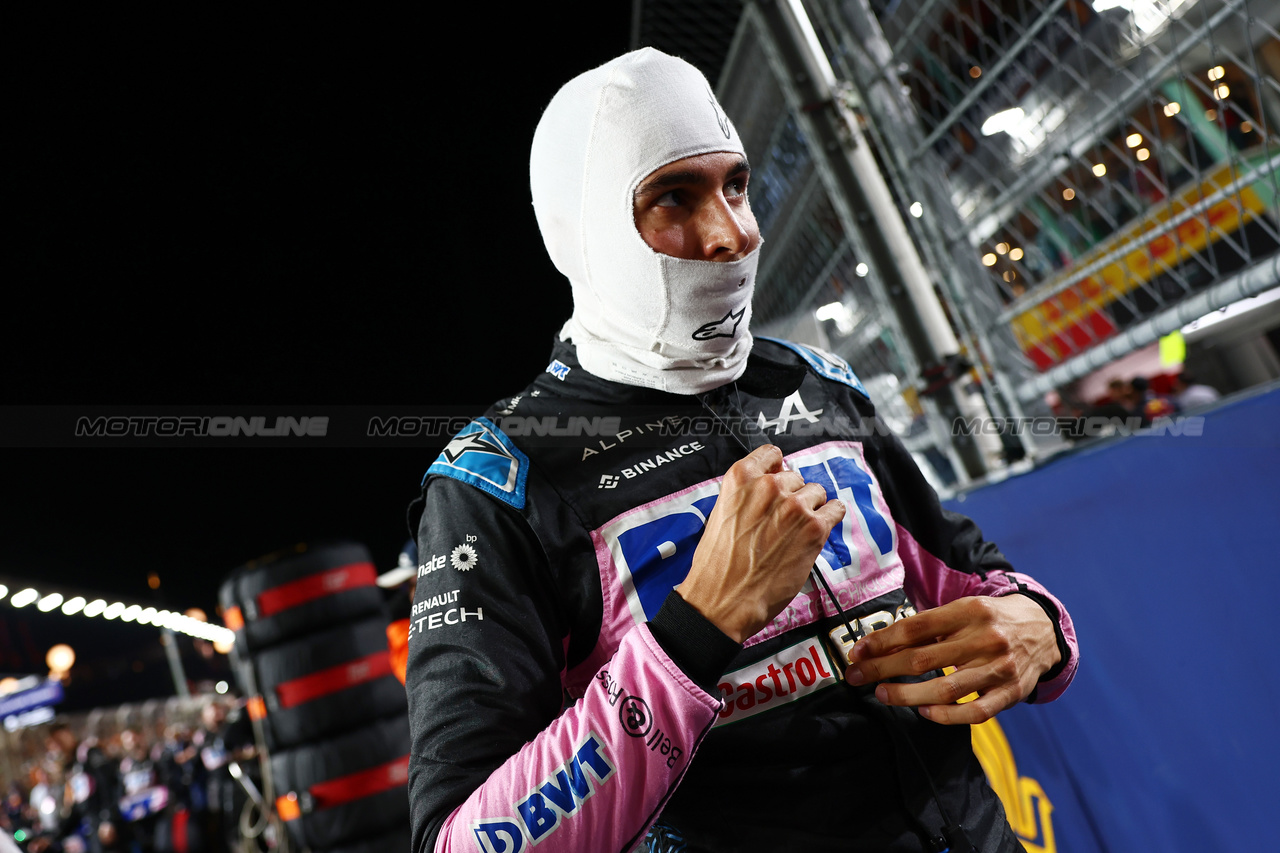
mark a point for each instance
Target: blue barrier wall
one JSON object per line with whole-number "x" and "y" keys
{"x": 1166, "y": 550}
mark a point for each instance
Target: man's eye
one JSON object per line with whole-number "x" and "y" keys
{"x": 668, "y": 200}
{"x": 736, "y": 187}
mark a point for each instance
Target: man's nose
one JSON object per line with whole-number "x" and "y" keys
{"x": 722, "y": 233}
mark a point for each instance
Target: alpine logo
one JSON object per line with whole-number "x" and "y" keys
{"x": 609, "y": 481}
{"x": 482, "y": 456}
{"x": 793, "y": 409}
{"x": 663, "y": 426}
{"x": 558, "y": 369}
{"x": 721, "y": 328}
{"x": 657, "y": 461}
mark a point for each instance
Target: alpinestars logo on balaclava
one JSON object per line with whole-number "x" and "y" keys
{"x": 639, "y": 317}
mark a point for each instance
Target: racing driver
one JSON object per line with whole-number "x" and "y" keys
{"x": 684, "y": 586}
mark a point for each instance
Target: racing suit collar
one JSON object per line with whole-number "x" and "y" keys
{"x": 768, "y": 374}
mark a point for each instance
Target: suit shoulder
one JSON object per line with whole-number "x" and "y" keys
{"x": 819, "y": 361}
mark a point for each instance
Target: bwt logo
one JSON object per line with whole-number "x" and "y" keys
{"x": 554, "y": 800}
{"x": 658, "y": 547}
{"x": 558, "y": 369}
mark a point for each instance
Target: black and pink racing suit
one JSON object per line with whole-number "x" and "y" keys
{"x": 562, "y": 698}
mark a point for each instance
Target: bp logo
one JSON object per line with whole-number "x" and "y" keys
{"x": 463, "y": 558}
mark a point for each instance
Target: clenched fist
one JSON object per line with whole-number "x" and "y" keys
{"x": 764, "y": 534}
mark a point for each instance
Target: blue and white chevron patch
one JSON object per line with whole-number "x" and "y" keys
{"x": 481, "y": 455}
{"x": 824, "y": 364}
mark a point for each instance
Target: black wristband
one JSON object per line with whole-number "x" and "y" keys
{"x": 698, "y": 647}
{"x": 1064, "y": 651}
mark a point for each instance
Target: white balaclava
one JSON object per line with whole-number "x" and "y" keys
{"x": 639, "y": 317}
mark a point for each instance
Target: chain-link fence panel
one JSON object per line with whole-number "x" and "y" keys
{"x": 1090, "y": 176}
{"x": 815, "y": 283}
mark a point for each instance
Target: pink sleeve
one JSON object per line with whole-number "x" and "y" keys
{"x": 597, "y": 778}
{"x": 930, "y": 582}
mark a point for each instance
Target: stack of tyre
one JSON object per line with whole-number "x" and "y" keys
{"x": 311, "y": 652}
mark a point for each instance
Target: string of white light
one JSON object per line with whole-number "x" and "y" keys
{"x": 78, "y": 605}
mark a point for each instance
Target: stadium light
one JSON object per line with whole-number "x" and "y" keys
{"x": 50, "y": 601}
{"x": 193, "y": 623}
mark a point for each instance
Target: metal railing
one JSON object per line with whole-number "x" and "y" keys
{"x": 1071, "y": 172}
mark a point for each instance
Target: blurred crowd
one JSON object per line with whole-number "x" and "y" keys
{"x": 165, "y": 786}
{"x": 1137, "y": 403}
{"x": 1148, "y": 400}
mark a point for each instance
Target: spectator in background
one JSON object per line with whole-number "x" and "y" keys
{"x": 44, "y": 799}
{"x": 1150, "y": 404}
{"x": 1119, "y": 402}
{"x": 228, "y": 736}
{"x": 137, "y": 777}
{"x": 1190, "y": 394}
{"x": 402, "y": 579}
{"x": 92, "y": 790}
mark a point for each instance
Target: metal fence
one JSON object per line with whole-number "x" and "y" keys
{"x": 819, "y": 281}
{"x": 1078, "y": 178}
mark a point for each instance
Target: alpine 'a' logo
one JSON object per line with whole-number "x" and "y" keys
{"x": 793, "y": 409}
{"x": 721, "y": 328}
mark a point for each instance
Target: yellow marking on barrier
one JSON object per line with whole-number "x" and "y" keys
{"x": 1025, "y": 804}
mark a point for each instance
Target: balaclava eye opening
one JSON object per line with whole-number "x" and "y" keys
{"x": 639, "y": 317}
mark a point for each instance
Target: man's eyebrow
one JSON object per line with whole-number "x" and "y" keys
{"x": 684, "y": 178}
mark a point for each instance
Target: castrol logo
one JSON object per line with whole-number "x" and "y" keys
{"x": 790, "y": 674}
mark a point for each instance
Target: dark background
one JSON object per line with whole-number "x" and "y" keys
{"x": 227, "y": 209}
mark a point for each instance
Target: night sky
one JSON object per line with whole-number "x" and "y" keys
{"x": 295, "y": 214}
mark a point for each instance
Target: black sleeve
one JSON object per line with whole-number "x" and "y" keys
{"x": 484, "y": 594}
